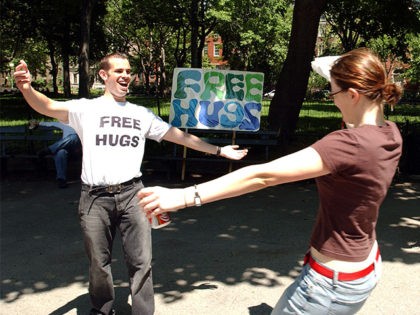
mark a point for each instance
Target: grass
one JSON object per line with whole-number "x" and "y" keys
{"x": 315, "y": 117}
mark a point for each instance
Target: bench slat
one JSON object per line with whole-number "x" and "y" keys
{"x": 261, "y": 139}
{"x": 19, "y": 142}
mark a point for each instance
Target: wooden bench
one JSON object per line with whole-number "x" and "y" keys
{"x": 249, "y": 140}
{"x": 260, "y": 145}
{"x": 21, "y": 144}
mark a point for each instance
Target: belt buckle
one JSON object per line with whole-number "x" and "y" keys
{"x": 114, "y": 189}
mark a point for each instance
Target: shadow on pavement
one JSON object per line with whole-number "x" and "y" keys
{"x": 253, "y": 239}
{"x": 80, "y": 303}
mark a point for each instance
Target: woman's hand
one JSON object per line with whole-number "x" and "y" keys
{"x": 155, "y": 200}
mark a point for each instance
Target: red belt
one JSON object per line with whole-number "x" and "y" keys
{"x": 341, "y": 276}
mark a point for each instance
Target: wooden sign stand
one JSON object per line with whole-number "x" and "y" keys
{"x": 184, "y": 156}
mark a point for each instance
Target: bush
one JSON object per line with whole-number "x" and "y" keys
{"x": 137, "y": 89}
{"x": 39, "y": 84}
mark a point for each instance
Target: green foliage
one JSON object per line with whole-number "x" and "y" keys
{"x": 260, "y": 44}
{"x": 315, "y": 117}
{"x": 316, "y": 83}
{"x": 35, "y": 30}
{"x": 327, "y": 44}
{"x": 15, "y": 29}
{"x": 137, "y": 89}
{"x": 412, "y": 73}
{"x": 396, "y": 65}
{"x": 157, "y": 33}
{"x": 36, "y": 56}
{"x": 356, "y": 22}
{"x": 206, "y": 63}
{"x": 385, "y": 46}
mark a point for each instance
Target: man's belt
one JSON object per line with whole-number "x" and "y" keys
{"x": 110, "y": 189}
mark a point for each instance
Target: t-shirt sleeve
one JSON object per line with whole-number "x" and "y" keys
{"x": 158, "y": 128}
{"x": 338, "y": 150}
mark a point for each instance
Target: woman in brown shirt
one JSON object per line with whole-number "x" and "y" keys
{"x": 353, "y": 168}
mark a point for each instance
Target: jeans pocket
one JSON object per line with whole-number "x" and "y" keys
{"x": 353, "y": 292}
{"x": 85, "y": 202}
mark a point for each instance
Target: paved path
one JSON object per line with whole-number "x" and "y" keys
{"x": 231, "y": 257}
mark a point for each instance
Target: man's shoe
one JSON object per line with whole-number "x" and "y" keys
{"x": 62, "y": 183}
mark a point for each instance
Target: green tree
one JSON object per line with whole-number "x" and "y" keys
{"x": 293, "y": 79}
{"x": 356, "y": 22}
{"x": 19, "y": 39}
{"x": 85, "y": 25}
{"x": 260, "y": 44}
{"x": 54, "y": 25}
{"x": 203, "y": 16}
{"x": 92, "y": 41}
{"x": 58, "y": 23}
{"x": 385, "y": 47}
{"x": 411, "y": 74}
{"x": 143, "y": 30}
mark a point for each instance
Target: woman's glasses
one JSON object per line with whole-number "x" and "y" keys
{"x": 331, "y": 94}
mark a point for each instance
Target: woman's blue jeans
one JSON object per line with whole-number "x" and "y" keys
{"x": 314, "y": 294}
{"x": 100, "y": 216}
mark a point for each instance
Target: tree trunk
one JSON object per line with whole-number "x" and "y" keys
{"x": 195, "y": 62}
{"x": 146, "y": 73}
{"x": 162, "y": 85}
{"x": 293, "y": 79}
{"x": 200, "y": 47}
{"x": 66, "y": 75}
{"x": 65, "y": 54}
{"x": 181, "y": 48}
{"x": 54, "y": 67}
{"x": 84, "y": 48}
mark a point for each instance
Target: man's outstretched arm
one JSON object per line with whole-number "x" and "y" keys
{"x": 180, "y": 137}
{"x": 38, "y": 101}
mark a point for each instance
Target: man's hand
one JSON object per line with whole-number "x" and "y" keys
{"x": 233, "y": 152}
{"x": 38, "y": 101}
{"x": 22, "y": 76}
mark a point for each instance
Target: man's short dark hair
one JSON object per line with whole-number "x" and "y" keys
{"x": 104, "y": 64}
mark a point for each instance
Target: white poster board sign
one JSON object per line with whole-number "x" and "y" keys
{"x": 216, "y": 99}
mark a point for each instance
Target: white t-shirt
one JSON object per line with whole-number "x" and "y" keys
{"x": 113, "y": 136}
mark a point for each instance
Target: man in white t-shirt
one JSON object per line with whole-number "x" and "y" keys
{"x": 113, "y": 133}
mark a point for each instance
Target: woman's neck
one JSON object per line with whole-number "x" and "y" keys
{"x": 367, "y": 113}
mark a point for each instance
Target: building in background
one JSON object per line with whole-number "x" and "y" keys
{"x": 214, "y": 51}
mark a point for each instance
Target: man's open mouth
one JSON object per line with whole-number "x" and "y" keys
{"x": 124, "y": 85}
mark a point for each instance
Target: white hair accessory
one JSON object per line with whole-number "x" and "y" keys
{"x": 322, "y": 66}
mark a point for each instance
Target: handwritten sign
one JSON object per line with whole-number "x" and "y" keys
{"x": 216, "y": 99}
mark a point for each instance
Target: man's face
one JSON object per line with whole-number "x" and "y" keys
{"x": 117, "y": 78}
